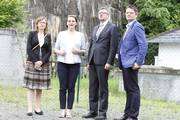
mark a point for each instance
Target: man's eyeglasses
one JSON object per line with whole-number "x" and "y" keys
{"x": 102, "y": 13}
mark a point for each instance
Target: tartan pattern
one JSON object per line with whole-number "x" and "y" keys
{"x": 34, "y": 79}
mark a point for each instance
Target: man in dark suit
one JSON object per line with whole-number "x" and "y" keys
{"x": 101, "y": 54}
{"x": 132, "y": 51}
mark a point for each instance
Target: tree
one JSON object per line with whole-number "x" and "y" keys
{"x": 11, "y": 12}
{"x": 158, "y": 15}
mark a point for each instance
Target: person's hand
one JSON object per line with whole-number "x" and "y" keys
{"x": 38, "y": 65}
{"x": 61, "y": 52}
{"x": 88, "y": 67}
{"x": 135, "y": 66}
{"x": 107, "y": 66}
{"x": 76, "y": 51}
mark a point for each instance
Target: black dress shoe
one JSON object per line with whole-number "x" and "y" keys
{"x": 89, "y": 115}
{"x": 29, "y": 114}
{"x": 130, "y": 118}
{"x": 39, "y": 113}
{"x": 100, "y": 117}
{"x": 122, "y": 118}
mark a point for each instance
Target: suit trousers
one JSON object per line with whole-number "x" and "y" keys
{"x": 98, "y": 89}
{"x": 67, "y": 74}
{"x": 130, "y": 80}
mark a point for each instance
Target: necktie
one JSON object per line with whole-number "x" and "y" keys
{"x": 99, "y": 30}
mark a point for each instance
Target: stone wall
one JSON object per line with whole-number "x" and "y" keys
{"x": 158, "y": 83}
{"x": 12, "y": 55}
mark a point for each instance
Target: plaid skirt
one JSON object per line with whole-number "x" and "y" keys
{"x": 34, "y": 79}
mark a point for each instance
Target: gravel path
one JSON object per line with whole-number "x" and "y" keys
{"x": 9, "y": 111}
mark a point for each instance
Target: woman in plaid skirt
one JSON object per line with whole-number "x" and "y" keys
{"x": 37, "y": 70}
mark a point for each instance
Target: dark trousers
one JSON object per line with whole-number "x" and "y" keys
{"x": 67, "y": 74}
{"x": 130, "y": 79}
{"x": 98, "y": 89}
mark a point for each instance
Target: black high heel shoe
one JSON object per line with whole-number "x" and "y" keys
{"x": 39, "y": 113}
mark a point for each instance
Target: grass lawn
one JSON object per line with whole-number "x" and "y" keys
{"x": 150, "y": 109}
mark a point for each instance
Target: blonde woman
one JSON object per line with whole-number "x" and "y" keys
{"x": 37, "y": 71}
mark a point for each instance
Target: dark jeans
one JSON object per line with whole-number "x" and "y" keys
{"x": 67, "y": 74}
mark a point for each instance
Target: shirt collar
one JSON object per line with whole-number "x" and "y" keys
{"x": 104, "y": 23}
{"x": 129, "y": 24}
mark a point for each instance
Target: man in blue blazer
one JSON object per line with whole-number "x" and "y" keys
{"x": 101, "y": 54}
{"x": 132, "y": 51}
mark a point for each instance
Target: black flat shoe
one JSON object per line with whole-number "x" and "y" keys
{"x": 39, "y": 113}
{"x": 29, "y": 114}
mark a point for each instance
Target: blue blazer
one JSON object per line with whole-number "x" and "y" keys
{"x": 133, "y": 48}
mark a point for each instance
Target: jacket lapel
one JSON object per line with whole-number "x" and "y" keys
{"x": 104, "y": 30}
{"x": 129, "y": 30}
{"x": 94, "y": 32}
{"x": 36, "y": 36}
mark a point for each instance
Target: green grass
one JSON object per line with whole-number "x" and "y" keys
{"x": 150, "y": 109}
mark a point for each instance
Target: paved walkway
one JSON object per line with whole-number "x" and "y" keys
{"x": 12, "y": 112}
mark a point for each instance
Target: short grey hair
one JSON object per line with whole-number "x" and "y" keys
{"x": 104, "y": 8}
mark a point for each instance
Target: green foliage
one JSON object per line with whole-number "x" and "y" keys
{"x": 158, "y": 15}
{"x": 152, "y": 51}
{"x": 11, "y": 12}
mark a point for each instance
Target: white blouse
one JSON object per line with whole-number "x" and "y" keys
{"x": 67, "y": 43}
{"x": 41, "y": 39}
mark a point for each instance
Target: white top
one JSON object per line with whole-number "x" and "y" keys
{"x": 41, "y": 39}
{"x": 104, "y": 24}
{"x": 101, "y": 27}
{"x": 127, "y": 28}
{"x": 66, "y": 43}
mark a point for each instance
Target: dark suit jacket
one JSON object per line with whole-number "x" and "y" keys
{"x": 103, "y": 49}
{"x": 33, "y": 55}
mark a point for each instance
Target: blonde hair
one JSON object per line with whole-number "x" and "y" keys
{"x": 38, "y": 20}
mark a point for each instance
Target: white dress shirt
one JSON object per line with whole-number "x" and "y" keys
{"x": 101, "y": 27}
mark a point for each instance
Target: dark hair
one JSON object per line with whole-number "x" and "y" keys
{"x": 73, "y": 16}
{"x": 133, "y": 7}
{"x": 38, "y": 20}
